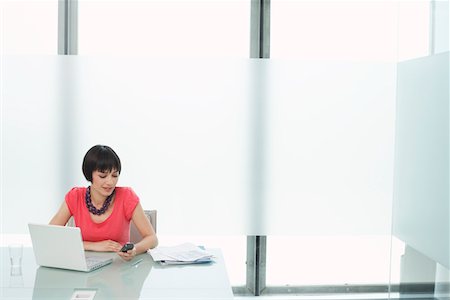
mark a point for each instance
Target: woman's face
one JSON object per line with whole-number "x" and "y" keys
{"x": 103, "y": 183}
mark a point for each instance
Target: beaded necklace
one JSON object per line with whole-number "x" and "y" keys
{"x": 92, "y": 208}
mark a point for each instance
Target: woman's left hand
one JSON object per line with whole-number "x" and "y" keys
{"x": 129, "y": 255}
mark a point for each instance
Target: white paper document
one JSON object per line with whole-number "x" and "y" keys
{"x": 186, "y": 253}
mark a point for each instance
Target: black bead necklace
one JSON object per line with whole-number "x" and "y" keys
{"x": 92, "y": 208}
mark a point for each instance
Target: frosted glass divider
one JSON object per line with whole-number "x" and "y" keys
{"x": 330, "y": 147}
{"x": 182, "y": 129}
{"x": 421, "y": 199}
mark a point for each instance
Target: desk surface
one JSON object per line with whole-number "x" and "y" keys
{"x": 119, "y": 280}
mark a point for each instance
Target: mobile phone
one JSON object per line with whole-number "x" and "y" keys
{"x": 126, "y": 247}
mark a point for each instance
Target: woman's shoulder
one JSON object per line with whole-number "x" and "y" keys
{"x": 129, "y": 200}
{"x": 125, "y": 191}
{"x": 75, "y": 196}
{"x": 75, "y": 191}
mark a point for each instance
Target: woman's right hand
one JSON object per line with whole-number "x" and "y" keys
{"x": 102, "y": 246}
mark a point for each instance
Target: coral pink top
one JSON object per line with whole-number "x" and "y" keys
{"x": 116, "y": 227}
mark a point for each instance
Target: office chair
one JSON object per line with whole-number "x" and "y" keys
{"x": 71, "y": 222}
{"x": 135, "y": 236}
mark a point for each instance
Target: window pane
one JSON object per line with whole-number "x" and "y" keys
{"x": 29, "y": 27}
{"x": 356, "y": 30}
{"x": 328, "y": 260}
{"x": 165, "y": 28}
{"x": 413, "y": 29}
{"x": 343, "y": 30}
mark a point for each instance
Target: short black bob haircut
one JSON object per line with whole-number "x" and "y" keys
{"x": 100, "y": 158}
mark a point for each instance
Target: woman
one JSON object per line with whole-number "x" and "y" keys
{"x": 103, "y": 211}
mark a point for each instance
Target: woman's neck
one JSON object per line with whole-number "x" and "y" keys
{"x": 96, "y": 198}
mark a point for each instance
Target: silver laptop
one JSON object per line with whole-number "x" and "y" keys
{"x": 62, "y": 247}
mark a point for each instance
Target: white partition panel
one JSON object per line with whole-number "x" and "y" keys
{"x": 331, "y": 151}
{"x": 188, "y": 132}
{"x": 31, "y": 172}
{"x": 421, "y": 202}
{"x": 180, "y": 128}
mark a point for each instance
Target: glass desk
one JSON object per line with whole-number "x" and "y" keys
{"x": 119, "y": 280}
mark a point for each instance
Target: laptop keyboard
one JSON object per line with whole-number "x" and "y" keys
{"x": 94, "y": 263}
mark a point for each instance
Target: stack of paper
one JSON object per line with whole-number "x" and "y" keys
{"x": 182, "y": 254}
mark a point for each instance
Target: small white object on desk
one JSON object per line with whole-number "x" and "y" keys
{"x": 186, "y": 253}
{"x": 83, "y": 295}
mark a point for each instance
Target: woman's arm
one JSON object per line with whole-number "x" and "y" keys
{"x": 149, "y": 239}
{"x": 62, "y": 216}
{"x": 102, "y": 246}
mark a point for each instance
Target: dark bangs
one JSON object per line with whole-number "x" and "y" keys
{"x": 100, "y": 158}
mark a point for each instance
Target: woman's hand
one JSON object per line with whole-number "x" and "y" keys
{"x": 127, "y": 255}
{"x": 103, "y": 246}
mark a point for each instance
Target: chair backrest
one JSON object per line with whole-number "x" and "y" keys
{"x": 135, "y": 236}
{"x": 71, "y": 222}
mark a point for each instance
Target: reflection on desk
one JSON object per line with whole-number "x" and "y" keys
{"x": 119, "y": 280}
{"x": 123, "y": 280}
